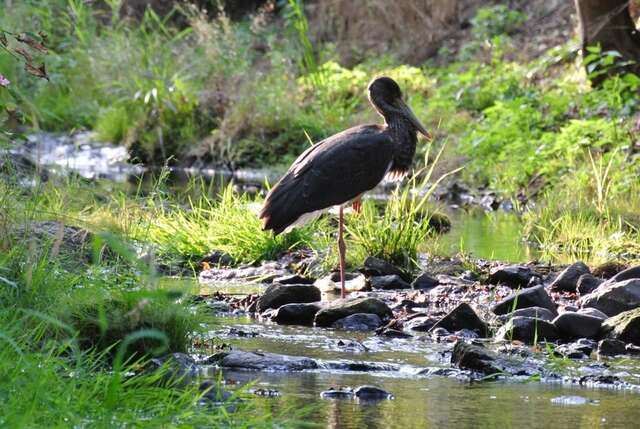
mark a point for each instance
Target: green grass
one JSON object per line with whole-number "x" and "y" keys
{"x": 404, "y": 224}
{"x": 76, "y": 342}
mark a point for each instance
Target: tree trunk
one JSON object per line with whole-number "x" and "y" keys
{"x": 608, "y": 23}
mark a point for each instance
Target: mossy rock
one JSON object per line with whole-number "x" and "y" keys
{"x": 624, "y": 327}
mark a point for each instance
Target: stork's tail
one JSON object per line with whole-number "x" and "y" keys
{"x": 279, "y": 210}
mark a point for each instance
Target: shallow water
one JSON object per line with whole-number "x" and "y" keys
{"x": 492, "y": 235}
{"x": 420, "y": 401}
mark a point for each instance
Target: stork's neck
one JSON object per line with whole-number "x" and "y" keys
{"x": 404, "y": 135}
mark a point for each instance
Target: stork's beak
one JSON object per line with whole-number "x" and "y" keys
{"x": 413, "y": 119}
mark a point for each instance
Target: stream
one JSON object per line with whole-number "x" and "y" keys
{"x": 420, "y": 400}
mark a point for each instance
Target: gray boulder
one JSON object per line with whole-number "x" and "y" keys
{"x": 567, "y": 280}
{"x": 514, "y": 276}
{"x": 614, "y": 298}
{"x": 424, "y": 282}
{"x": 392, "y": 281}
{"x": 535, "y": 296}
{"x": 462, "y": 317}
{"x": 296, "y": 314}
{"x": 611, "y": 347}
{"x": 294, "y": 279}
{"x": 590, "y": 311}
{"x": 577, "y": 325}
{"x": 581, "y": 349}
{"x": 261, "y": 361}
{"x": 535, "y": 312}
{"x": 358, "y": 322}
{"x": 277, "y": 295}
{"x": 476, "y": 358}
{"x": 528, "y": 330}
{"x": 629, "y": 273}
{"x": 341, "y": 308}
{"x": 624, "y": 327}
{"x": 379, "y": 267}
{"x": 371, "y": 393}
{"x": 479, "y": 359}
{"x": 587, "y": 283}
{"x": 421, "y": 324}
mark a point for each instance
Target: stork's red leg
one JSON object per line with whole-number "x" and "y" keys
{"x": 341, "y": 251}
{"x": 357, "y": 205}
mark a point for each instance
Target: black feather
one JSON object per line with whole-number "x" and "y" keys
{"x": 332, "y": 172}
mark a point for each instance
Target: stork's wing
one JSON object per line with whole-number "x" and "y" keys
{"x": 332, "y": 172}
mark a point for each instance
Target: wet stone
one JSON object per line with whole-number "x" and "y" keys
{"x": 567, "y": 280}
{"x": 394, "y": 333}
{"x": 354, "y": 282}
{"x": 360, "y": 366}
{"x": 388, "y": 282}
{"x": 424, "y": 282}
{"x": 421, "y": 324}
{"x": 439, "y": 332}
{"x": 378, "y": 267}
{"x": 358, "y": 322}
{"x": 528, "y": 330}
{"x": 341, "y": 393}
{"x": 535, "y": 312}
{"x": 181, "y": 367}
{"x": 629, "y": 273}
{"x": 611, "y": 347}
{"x": 296, "y": 314}
{"x": 624, "y": 327}
{"x": 213, "y": 392}
{"x": 577, "y": 325}
{"x": 514, "y": 276}
{"x": 589, "y": 311}
{"x": 371, "y": 393}
{"x": 217, "y": 258}
{"x": 462, "y": 317}
{"x": 261, "y": 361}
{"x": 577, "y": 350}
{"x": 587, "y": 283}
{"x": 235, "y": 332}
{"x": 294, "y": 279}
{"x": 532, "y": 297}
{"x": 277, "y": 295}
{"x": 614, "y": 298}
{"x": 475, "y": 358}
{"x": 341, "y": 308}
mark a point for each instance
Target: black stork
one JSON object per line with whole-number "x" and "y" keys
{"x": 339, "y": 169}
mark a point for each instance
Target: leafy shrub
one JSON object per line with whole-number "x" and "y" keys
{"x": 495, "y": 20}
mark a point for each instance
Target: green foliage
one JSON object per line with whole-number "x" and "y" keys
{"x": 102, "y": 321}
{"x": 495, "y": 20}
{"x": 68, "y": 338}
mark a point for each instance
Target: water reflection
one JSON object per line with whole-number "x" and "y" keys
{"x": 494, "y": 235}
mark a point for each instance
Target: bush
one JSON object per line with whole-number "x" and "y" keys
{"x": 495, "y": 20}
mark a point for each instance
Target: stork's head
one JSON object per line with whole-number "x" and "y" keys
{"x": 386, "y": 97}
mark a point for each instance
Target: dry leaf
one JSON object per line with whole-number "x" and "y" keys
{"x": 27, "y": 40}
{"x": 37, "y": 71}
{"x": 26, "y": 55}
